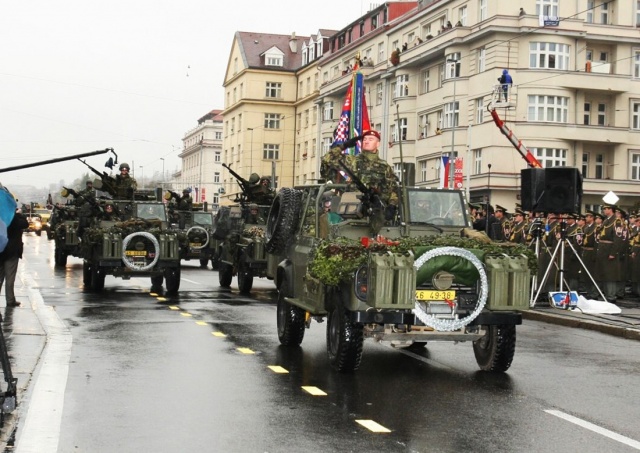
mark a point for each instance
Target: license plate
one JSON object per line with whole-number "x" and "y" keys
{"x": 195, "y": 244}
{"x": 135, "y": 253}
{"x": 431, "y": 294}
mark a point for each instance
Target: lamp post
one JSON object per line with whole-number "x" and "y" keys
{"x": 251, "y": 151}
{"x": 142, "y": 176}
{"x": 162, "y": 159}
{"x": 487, "y": 216}
{"x": 453, "y": 123}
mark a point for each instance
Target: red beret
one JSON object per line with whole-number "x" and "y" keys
{"x": 376, "y": 134}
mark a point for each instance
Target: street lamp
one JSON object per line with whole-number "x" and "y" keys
{"x": 142, "y": 176}
{"x": 162, "y": 159}
{"x": 453, "y": 122}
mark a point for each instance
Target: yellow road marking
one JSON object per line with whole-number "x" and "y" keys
{"x": 218, "y": 334}
{"x": 278, "y": 369}
{"x": 373, "y": 426}
{"x": 188, "y": 315}
{"x": 201, "y": 323}
{"x": 315, "y": 391}
{"x": 246, "y": 351}
{"x": 173, "y": 307}
{"x": 153, "y": 294}
{"x": 162, "y": 299}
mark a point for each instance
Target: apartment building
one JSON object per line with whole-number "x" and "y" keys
{"x": 575, "y": 101}
{"x": 202, "y": 160}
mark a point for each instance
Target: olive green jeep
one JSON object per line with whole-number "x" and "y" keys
{"x": 408, "y": 278}
{"x": 63, "y": 225}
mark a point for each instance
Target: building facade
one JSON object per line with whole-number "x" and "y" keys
{"x": 575, "y": 101}
{"x": 202, "y": 160}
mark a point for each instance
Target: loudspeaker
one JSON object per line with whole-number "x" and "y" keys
{"x": 556, "y": 190}
{"x": 532, "y": 188}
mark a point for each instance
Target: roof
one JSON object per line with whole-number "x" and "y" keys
{"x": 253, "y": 45}
{"x": 215, "y": 115}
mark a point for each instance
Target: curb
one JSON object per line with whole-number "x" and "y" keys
{"x": 618, "y": 331}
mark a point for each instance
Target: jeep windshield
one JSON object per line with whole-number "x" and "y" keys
{"x": 202, "y": 218}
{"x": 437, "y": 207}
{"x": 151, "y": 211}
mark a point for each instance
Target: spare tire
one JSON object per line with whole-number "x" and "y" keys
{"x": 283, "y": 219}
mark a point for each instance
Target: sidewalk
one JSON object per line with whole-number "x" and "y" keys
{"x": 624, "y": 325}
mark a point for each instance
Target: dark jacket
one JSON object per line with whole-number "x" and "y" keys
{"x": 14, "y": 235}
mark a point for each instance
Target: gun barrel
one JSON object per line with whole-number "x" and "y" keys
{"x": 53, "y": 161}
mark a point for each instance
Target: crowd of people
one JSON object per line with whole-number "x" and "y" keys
{"x": 606, "y": 244}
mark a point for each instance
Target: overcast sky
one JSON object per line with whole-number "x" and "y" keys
{"x": 135, "y": 75}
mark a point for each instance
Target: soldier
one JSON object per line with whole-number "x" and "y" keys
{"x": 186, "y": 202}
{"x": 374, "y": 172}
{"x": 253, "y": 217}
{"x": 125, "y": 184}
{"x": 86, "y": 194}
{"x": 621, "y": 243}
{"x": 574, "y": 236}
{"x": 500, "y": 227}
{"x": 607, "y": 269}
{"x": 109, "y": 212}
{"x": 634, "y": 269}
{"x": 519, "y": 228}
{"x": 588, "y": 254}
{"x": 261, "y": 191}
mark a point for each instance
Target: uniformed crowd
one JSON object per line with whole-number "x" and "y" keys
{"x": 601, "y": 247}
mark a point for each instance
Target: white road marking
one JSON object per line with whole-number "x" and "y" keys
{"x": 190, "y": 281}
{"x": 41, "y": 430}
{"x": 431, "y": 362}
{"x": 596, "y": 429}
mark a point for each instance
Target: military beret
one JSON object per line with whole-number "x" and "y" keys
{"x": 376, "y": 134}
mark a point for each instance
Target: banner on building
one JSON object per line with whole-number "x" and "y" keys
{"x": 458, "y": 176}
{"x": 204, "y": 194}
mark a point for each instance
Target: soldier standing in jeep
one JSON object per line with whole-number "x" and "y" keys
{"x": 374, "y": 172}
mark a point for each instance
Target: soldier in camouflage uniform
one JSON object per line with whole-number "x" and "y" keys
{"x": 125, "y": 184}
{"x": 186, "y": 202}
{"x": 374, "y": 172}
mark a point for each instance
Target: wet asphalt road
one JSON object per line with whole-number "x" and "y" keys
{"x": 151, "y": 375}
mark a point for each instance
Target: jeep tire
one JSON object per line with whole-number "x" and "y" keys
{"x": 494, "y": 352}
{"x": 290, "y": 320}
{"x": 60, "y": 257}
{"x": 225, "y": 274}
{"x": 245, "y": 276}
{"x": 86, "y": 274}
{"x": 344, "y": 339}
{"x": 97, "y": 278}
{"x": 283, "y": 219}
{"x": 172, "y": 280}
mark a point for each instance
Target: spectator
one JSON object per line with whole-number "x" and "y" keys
{"x": 11, "y": 255}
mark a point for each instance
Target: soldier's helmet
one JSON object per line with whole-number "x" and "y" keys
{"x": 254, "y": 178}
{"x": 124, "y": 165}
{"x": 253, "y": 206}
{"x": 89, "y": 183}
{"x": 186, "y": 191}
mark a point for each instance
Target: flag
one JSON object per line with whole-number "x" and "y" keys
{"x": 354, "y": 118}
{"x": 444, "y": 172}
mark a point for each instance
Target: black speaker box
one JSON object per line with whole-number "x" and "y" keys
{"x": 556, "y": 190}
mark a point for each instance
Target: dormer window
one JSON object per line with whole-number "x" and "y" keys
{"x": 274, "y": 57}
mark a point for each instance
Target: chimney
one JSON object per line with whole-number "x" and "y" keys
{"x": 293, "y": 43}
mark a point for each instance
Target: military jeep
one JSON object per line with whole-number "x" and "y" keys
{"x": 64, "y": 229}
{"x": 139, "y": 243}
{"x": 241, "y": 249}
{"x": 413, "y": 277}
{"x": 197, "y": 225}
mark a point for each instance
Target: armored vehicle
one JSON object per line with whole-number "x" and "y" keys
{"x": 196, "y": 223}
{"x": 408, "y": 279}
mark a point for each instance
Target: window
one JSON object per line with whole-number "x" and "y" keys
{"x": 453, "y": 65}
{"x": 591, "y": 4}
{"x": 217, "y": 156}
{"x": 637, "y": 13}
{"x": 599, "y": 166}
{"x": 233, "y": 125}
{"x": 604, "y": 13}
{"x": 306, "y": 118}
{"x": 240, "y": 122}
{"x": 326, "y": 144}
{"x": 482, "y": 59}
{"x": 271, "y": 152}
{"x": 216, "y": 177}
{"x": 314, "y": 145}
{"x": 585, "y": 165}
{"x": 547, "y": 8}
{"x": 587, "y": 114}
{"x": 395, "y": 44}
{"x": 550, "y": 157}
{"x": 316, "y": 81}
{"x": 423, "y": 170}
{"x": 482, "y": 10}
{"x": 403, "y": 128}
{"x": 548, "y": 55}
{"x": 381, "y": 52}
{"x": 548, "y": 108}
{"x": 239, "y": 153}
{"x": 271, "y": 121}
{"x": 299, "y": 121}
{"x": 273, "y": 59}
{"x": 477, "y": 161}
{"x": 216, "y": 199}
{"x": 451, "y": 111}
{"x": 402, "y": 85}
{"x": 635, "y": 166}
{"x": 235, "y": 97}
{"x": 379, "y": 94}
{"x": 397, "y": 169}
{"x": 635, "y": 115}
{"x": 218, "y": 135}
{"x": 602, "y": 114}
{"x": 273, "y": 90}
{"x": 374, "y": 22}
{"x": 424, "y": 81}
{"x": 327, "y": 112}
{"x": 462, "y": 15}
{"x": 479, "y": 110}
{"x": 314, "y": 115}
{"x": 423, "y": 121}
{"x": 636, "y": 64}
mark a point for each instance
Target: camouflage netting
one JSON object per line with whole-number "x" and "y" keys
{"x": 334, "y": 261}
{"x": 93, "y": 236}
{"x": 253, "y": 232}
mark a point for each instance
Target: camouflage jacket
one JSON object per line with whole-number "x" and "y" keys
{"x": 125, "y": 184}
{"x": 374, "y": 172}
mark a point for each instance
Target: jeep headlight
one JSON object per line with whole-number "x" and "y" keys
{"x": 442, "y": 280}
{"x": 361, "y": 282}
